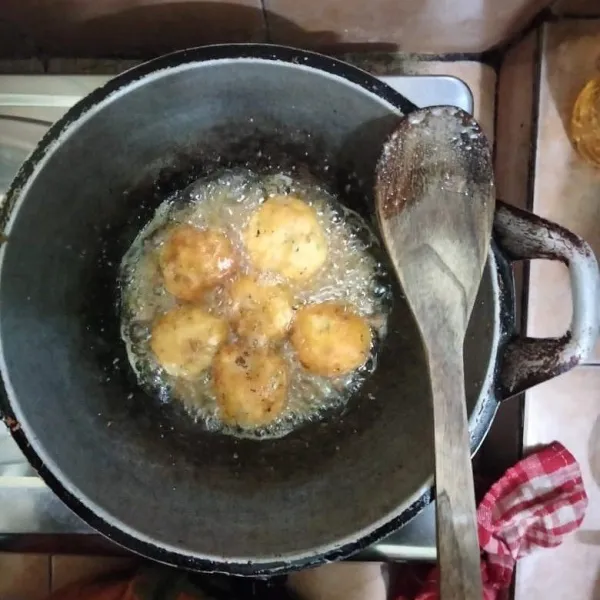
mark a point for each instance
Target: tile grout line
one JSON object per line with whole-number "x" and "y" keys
{"x": 575, "y": 17}
{"x": 266, "y": 21}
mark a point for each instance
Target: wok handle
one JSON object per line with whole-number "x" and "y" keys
{"x": 528, "y": 361}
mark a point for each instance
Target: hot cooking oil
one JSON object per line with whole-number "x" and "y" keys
{"x": 354, "y": 273}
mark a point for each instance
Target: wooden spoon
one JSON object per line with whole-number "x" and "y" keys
{"x": 435, "y": 203}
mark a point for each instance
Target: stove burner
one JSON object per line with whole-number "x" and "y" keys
{"x": 28, "y": 105}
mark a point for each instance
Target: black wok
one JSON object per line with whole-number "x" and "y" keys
{"x": 142, "y": 472}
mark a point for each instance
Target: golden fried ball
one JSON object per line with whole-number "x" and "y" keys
{"x": 330, "y": 339}
{"x": 251, "y": 384}
{"x": 285, "y": 237}
{"x": 262, "y": 312}
{"x": 185, "y": 340}
{"x": 193, "y": 260}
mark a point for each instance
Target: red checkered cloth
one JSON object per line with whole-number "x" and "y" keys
{"x": 534, "y": 505}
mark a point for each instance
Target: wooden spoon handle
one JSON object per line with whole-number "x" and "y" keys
{"x": 458, "y": 545}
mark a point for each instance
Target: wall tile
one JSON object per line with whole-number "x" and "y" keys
{"x": 577, "y": 7}
{"x": 433, "y": 26}
{"x": 29, "y": 66}
{"x": 24, "y": 576}
{"x": 89, "y": 66}
{"x": 130, "y": 27}
{"x": 514, "y": 120}
{"x": 514, "y": 124}
{"x": 125, "y": 27}
{"x": 567, "y": 190}
{"x": 342, "y": 581}
{"x": 69, "y": 569}
{"x": 567, "y": 409}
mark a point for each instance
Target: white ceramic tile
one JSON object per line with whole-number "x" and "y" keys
{"x": 567, "y": 190}
{"x": 567, "y": 409}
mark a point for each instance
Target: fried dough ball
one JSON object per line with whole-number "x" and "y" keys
{"x": 262, "y": 311}
{"x": 330, "y": 339}
{"x": 185, "y": 340}
{"x": 285, "y": 237}
{"x": 251, "y": 384}
{"x": 193, "y": 260}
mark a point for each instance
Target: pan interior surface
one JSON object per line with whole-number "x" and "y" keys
{"x": 145, "y": 468}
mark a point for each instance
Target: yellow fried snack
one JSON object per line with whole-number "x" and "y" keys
{"x": 193, "y": 260}
{"x": 330, "y": 339}
{"x": 262, "y": 312}
{"x": 251, "y": 384}
{"x": 285, "y": 237}
{"x": 185, "y": 340}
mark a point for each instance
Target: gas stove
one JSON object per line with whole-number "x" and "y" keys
{"x": 32, "y": 517}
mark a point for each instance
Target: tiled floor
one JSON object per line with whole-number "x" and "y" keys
{"x": 24, "y": 576}
{"x": 572, "y": 8}
{"x": 34, "y": 576}
{"x": 342, "y": 581}
{"x": 566, "y": 409}
{"x": 514, "y": 122}
{"x": 68, "y": 569}
{"x": 413, "y": 25}
{"x": 567, "y": 190}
